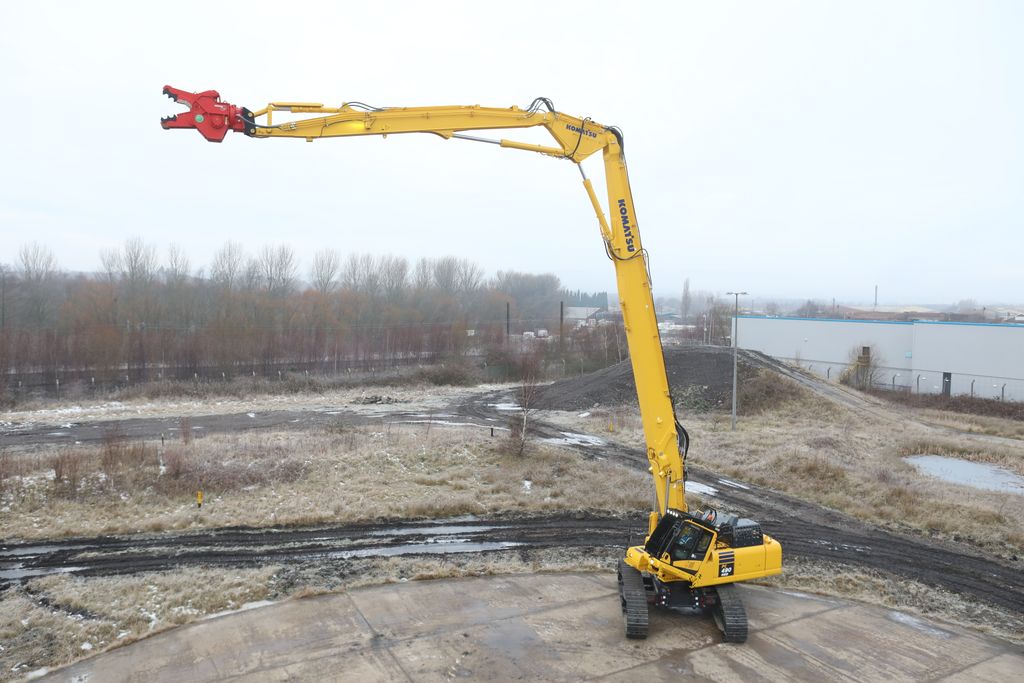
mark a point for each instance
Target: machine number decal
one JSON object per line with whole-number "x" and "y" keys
{"x": 725, "y": 563}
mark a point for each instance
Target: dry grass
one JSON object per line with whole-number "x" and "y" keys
{"x": 58, "y": 619}
{"x": 338, "y": 475}
{"x": 818, "y": 451}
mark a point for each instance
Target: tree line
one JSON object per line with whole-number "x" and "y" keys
{"x": 145, "y": 315}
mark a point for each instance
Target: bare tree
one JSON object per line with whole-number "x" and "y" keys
{"x": 421, "y": 277}
{"x": 178, "y": 266}
{"x": 394, "y": 278}
{"x": 110, "y": 263}
{"x": 686, "y": 301}
{"x": 362, "y": 274}
{"x": 251, "y": 275}
{"x": 469, "y": 276}
{"x": 38, "y": 267}
{"x": 227, "y": 266}
{"x": 445, "y": 273}
{"x": 324, "y": 274}
{"x": 277, "y": 268}
{"x": 526, "y": 397}
{"x": 137, "y": 262}
{"x": 864, "y": 370}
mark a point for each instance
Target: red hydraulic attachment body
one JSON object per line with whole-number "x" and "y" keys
{"x": 207, "y": 114}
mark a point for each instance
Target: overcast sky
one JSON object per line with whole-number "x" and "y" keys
{"x": 792, "y": 149}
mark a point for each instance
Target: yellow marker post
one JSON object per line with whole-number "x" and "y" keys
{"x": 199, "y": 498}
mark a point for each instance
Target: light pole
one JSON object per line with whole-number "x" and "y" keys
{"x": 735, "y": 348}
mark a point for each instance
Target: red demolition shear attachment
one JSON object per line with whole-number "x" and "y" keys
{"x": 207, "y": 114}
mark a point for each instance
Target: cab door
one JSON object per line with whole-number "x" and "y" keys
{"x": 691, "y": 548}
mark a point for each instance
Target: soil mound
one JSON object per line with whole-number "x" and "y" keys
{"x": 698, "y": 376}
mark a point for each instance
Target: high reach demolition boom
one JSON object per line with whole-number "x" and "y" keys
{"x": 688, "y": 560}
{"x": 575, "y": 140}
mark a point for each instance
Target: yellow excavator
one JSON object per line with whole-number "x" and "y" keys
{"x": 689, "y": 560}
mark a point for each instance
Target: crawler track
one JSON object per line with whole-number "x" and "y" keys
{"x": 634, "y": 601}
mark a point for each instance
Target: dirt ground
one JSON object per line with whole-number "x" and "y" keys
{"x": 700, "y": 376}
{"x": 820, "y": 466}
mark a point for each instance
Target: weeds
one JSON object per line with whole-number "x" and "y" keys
{"x": 356, "y": 474}
{"x": 66, "y": 473}
{"x": 765, "y": 390}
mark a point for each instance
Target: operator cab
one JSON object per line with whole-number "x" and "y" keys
{"x": 686, "y": 537}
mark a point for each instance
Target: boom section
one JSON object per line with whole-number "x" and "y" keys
{"x": 576, "y": 138}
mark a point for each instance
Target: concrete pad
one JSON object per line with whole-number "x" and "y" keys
{"x": 550, "y": 627}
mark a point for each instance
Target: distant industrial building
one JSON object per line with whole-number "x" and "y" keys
{"x": 983, "y": 359}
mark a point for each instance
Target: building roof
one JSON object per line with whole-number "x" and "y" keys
{"x": 580, "y": 312}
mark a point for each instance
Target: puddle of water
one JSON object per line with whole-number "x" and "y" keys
{"x": 17, "y": 573}
{"x": 37, "y": 550}
{"x": 974, "y": 474}
{"x": 451, "y": 546}
{"x": 697, "y": 487}
{"x": 432, "y": 530}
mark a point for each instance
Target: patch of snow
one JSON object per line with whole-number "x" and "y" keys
{"x": 574, "y": 439}
{"x": 586, "y": 414}
{"x": 527, "y": 485}
{"x": 697, "y": 487}
{"x": 842, "y": 546}
{"x": 38, "y": 673}
{"x": 244, "y": 608}
{"x": 806, "y": 596}
{"x": 447, "y": 423}
{"x": 504, "y": 406}
{"x": 734, "y": 484}
{"x": 86, "y": 646}
{"x": 251, "y": 414}
{"x": 918, "y": 625}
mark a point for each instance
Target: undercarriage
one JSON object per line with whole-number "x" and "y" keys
{"x": 639, "y": 591}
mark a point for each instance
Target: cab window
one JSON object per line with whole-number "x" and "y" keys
{"x": 692, "y": 544}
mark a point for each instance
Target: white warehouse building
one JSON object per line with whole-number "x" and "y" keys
{"x": 921, "y": 355}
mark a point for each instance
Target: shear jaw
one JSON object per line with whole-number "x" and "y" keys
{"x": 206, "y": 113}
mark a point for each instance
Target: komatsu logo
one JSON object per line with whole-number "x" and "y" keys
{"x": 581, "y": 131}
{"x": 627, "y": 225}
